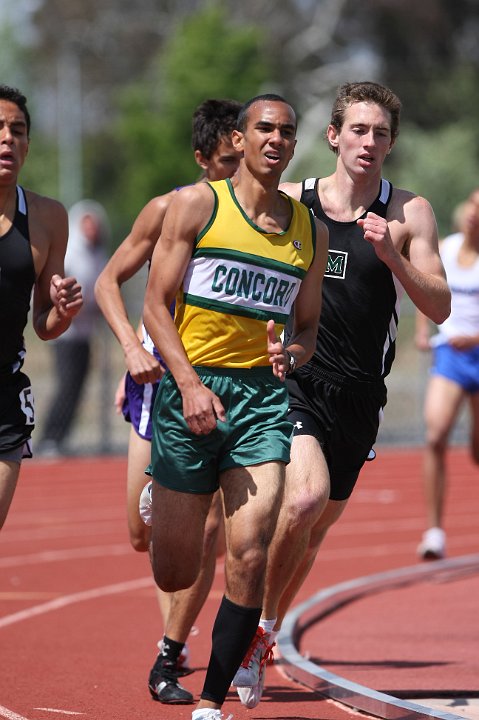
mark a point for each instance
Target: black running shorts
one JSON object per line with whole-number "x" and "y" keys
{"x": 343, "y": 415}
{"x": 17, "y": 412}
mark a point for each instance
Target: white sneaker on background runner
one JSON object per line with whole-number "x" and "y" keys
{"x": 433, "y": 544}
{"x": 145, "y": 503}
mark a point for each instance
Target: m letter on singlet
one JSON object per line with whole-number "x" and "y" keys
{"x": 336, "y": 267}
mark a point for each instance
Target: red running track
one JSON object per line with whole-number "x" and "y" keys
{"x": 79, "y": 619}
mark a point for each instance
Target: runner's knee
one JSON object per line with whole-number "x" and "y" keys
{"x": 304, "y": 508}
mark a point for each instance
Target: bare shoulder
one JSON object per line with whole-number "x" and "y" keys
{"x": 196, "y": 192}
{"x": 45, "y": 210}
{"x": 322, "y": 232}
{"x": 411, "y": 222}
{"x": 193, "y": 201}
{"x": 149, "y": 220}
{"x": 48, "y": 228}
{"x": 322, "y": 245}
{"x": 406, "y": 204}
{"x": 160, "y": 203}
{"x": 291, "y": 189}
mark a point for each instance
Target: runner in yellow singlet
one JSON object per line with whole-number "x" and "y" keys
{"x": 236, "y": 255}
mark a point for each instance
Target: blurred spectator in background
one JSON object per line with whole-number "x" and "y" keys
{"x": 86, "y": 255}
{"x": 454, "y": 374}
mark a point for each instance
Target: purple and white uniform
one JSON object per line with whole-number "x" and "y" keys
{"x": 140, "y": 398}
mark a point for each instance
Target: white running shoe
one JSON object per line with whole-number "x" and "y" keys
{"x": 433, "y": 544}
{"x": 209, "y": 714}
{"x": 251, "y": 696}
{"x": 145, "y": 503}
{"x": 249, "y": 679}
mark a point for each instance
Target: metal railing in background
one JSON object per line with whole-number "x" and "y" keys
{"x": 99, "y": 430}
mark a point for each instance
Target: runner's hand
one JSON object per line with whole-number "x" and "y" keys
{"x": 278, "y": 356}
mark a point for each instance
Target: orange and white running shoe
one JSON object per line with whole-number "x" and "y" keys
{"x": 249, "y": 679}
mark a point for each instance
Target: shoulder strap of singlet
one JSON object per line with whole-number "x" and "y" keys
{"x": 21, "y": 214}
{"x": 309, "y": 192}
{"x": 309, "y": 195}
{"x": 21, "y": 200}
{"x": 380, "y": 205}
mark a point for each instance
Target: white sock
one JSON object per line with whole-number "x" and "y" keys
{"x": 267, "y": 625}
{"x": 272, "y": 636}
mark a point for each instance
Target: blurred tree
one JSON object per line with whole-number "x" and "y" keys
{"x": 428, "y": 52}
{"x": 426, "y": 47}
{"x": 440, "y": 164}
{"x": 84, "y": 52}
{"x": 14, "y": 44}
{"x": 207, "y": 56}
{"x": 17, "y": 37}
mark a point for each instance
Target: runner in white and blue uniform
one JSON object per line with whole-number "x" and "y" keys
{"x": 454, "y": 373}
{"x": 459, "y": 364}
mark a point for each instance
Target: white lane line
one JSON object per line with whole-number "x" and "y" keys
{"x": 62, "y": 712}
{"x": 60, "y": 555}
{"x": 65, "y": 600}
{"x": 60, "y": 603}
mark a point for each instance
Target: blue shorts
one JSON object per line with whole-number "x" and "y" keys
{"x": 138, "y": 405}
{"x": 460, "y": 366}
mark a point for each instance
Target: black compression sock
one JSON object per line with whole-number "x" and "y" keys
{"x": 233, "y": 631}
{"x": 170, "y": 649}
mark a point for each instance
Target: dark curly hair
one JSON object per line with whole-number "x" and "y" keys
{"x": 15, "y": 96}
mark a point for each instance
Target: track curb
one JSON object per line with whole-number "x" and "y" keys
{"x": 335, "y": 687}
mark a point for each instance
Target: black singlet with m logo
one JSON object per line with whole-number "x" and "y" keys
{"x": 360, "y": 310}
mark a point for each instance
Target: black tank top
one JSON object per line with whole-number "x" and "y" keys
{"x": 17, "y": 277}
{"x": 360, "y": 307}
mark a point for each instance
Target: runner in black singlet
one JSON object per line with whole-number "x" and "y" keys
{"x": 33, "y": 238}
{"x": 338, "y": 397}
{"x": 382, "y": 242}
